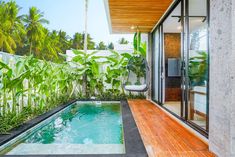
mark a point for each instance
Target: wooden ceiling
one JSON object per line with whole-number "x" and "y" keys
{"x": 142, "y": 13}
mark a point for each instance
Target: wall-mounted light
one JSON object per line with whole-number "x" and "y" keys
{"x": 179, "y": 27}
{"x": 135, "y": 28}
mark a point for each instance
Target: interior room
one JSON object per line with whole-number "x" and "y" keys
{"x": 172, "y": 61}
{"x": 196, "y": 62}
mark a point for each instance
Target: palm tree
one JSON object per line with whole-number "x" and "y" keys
{"x": 111, "y": 46}
{"x": 85, "y": 32}
{"x": 34, "y": 27}
{"x": 101, "y": 46}
{"x": 77, "y": 41}
{"x": 90, "y": 42}
{"x": 64, "y": 41}
{"x": 123, "y": 41}
{"x": 11, "y": 27}
{"x": 51, "y": 45}
{"x": 84, "y": 77}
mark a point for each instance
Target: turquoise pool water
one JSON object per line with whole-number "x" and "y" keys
{"x": 81, "y": 128}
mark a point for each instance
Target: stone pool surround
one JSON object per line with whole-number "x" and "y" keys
{"x": 133, "y": 143}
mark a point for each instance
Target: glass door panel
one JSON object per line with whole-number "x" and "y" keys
{"x": 156, "y": 65}
{"x": 197, "y": 63}
{"x": 172, "y": 32}
{"x": 180, "y": 63}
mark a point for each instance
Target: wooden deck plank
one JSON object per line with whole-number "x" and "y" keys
{"x": 163, "y": 136}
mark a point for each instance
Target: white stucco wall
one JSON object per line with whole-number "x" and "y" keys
{"x": 70, "y": 53}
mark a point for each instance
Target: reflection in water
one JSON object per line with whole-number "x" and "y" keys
{"x": 83, "y": 124}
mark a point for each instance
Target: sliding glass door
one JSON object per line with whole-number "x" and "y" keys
{"x": 197, "y": 63}
{"x": 172, "y": 59}
{"x": 156, "y": 66}
{"x": 180, "y": 62}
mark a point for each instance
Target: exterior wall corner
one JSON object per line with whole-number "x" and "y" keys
{"x": 222, "y": 78}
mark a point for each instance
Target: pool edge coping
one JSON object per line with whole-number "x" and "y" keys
{"x": 133, "y": 142}
{"x": 4, "y": 138}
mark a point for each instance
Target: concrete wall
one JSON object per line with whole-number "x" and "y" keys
{"x": 222, "y": 78}
{"x": 232, "y": 129}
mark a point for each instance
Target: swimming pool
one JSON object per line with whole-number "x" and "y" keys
{"x": 80, "y": 128}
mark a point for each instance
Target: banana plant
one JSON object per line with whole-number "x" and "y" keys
{"x": 6, "y": 75}
{"x": 30, "y": 87}
{"x": 116, "y": 72}
{"x": 198, "y": 69}
{"x": 89, "y": 64}
{"x": 138, "y": 67}
{"x": 139, "y": 47}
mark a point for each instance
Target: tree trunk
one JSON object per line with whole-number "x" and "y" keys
{"x": 84, "y": 77}
{"x": 86, "y": 19}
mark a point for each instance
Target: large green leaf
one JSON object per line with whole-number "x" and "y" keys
{"x": 3, "y": 65}
{"x": 92, "y": 54}
{"x": 126, "y": 55}
{"x": 78, "y": 52}
{"x": 137, "y": 40}
{"x": 78, "y": 59}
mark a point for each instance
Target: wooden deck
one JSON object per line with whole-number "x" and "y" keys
{"x": 163, "y": 136}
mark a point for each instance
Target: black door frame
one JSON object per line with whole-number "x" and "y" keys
{"x": 156, "y": 31}
{"x": 184, "y": 57}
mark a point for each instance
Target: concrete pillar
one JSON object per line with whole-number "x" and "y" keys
{"x": 222, "y": 78}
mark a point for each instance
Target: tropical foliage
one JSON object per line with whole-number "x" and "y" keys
{"x": 41, "y": 79}
{"x": 101, "y": 46}
{"x": 11, "y": 26}
{"x": 35, "y": 31}
{"x": 27, "y": 34}
{"x": 123, "y": 41}
{"x": 78, "y": 42}
{"x": 138, "y": 67}
{"x": 198, "y": 69}
{"x": 29, "y": 86}
{"x": 116, "y": 71}
{"x": 139, "y": 46}
{"x": 110, "y": 46}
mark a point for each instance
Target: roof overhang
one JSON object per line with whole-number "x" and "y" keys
{"x": 144, "y": 14}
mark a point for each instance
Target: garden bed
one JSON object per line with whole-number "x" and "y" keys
{"x": 25, "y": 126}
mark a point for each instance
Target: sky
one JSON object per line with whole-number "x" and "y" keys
{"x": 68, "y": 15}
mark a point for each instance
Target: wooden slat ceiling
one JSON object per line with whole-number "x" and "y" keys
{"x": 141, "y": 13}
